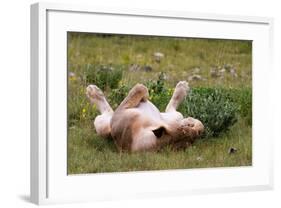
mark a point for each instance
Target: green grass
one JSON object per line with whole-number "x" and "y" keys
{"x": 181, "y": 57}
{"x": 88, "y": 153}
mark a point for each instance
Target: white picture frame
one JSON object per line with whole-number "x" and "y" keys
{"x": 49, "y": 180}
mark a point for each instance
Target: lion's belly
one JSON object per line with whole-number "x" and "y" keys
{"x": 148, "y": 110}
{"x": 149, "y": 118}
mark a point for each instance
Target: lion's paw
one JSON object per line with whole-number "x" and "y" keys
{"x": 93, "y": 92}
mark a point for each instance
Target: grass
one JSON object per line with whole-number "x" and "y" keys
{"x": 88, "y": 153}
{"x": 181, "y": 56}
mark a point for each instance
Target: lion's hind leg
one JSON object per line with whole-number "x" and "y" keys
{"x": 137, "y": 94}
{"x": 96, "y": 96}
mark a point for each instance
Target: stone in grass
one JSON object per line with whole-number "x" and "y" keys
{"x": 134, "y": 67}
{"x": 147, "y": 68}
{"x": 222, "y": 71}
{"x": 199, "y": 159}
{"x": 214, "y": 73}
{"x": 233, "y": 72}
{"x": 232, "y": 150}
{"x": 158, "y": 56}
{"x": 227, "y": 67}
{"x": 71, "y": 74}
{"x": 217, "y": 72}
{"x": 230, "y": 69}
{"x": 195, "y": 77}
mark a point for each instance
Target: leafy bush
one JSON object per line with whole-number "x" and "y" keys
{"x": 116, "y": 96}
{"x": 159, "y": 94}
{"x": 213, "y": 107}
{"x": 157, "y": 86}
{"x": 103, "y": 76}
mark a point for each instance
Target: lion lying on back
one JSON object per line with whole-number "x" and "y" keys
{"x": 137, "y": 125}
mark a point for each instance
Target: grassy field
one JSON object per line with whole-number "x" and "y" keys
{"x": 204, "y": 63}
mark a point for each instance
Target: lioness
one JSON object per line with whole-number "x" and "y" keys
{"x": 137, "y": 125}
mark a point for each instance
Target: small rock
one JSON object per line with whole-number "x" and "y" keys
{"x": 71, "y": 74}
{"x": 158, "y": 56}
{"x": 222, "y": 70}
{"x": 227, "y": 67}
{"x": 214, "y": 73}
{"x": 233, "y": 72}
{"x": 147, "y": 68}
{"x": 232, "y": 150}
{"x": 194, "y": 77}
{"x": 134, "y": 67}
{"x": 199, "y": 158}
{"x": 165, "y": 76}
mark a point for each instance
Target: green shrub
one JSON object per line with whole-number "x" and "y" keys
{"x": 116, "y": 96}
{"x": 157, "y": 86}
{"x": 213, "y": 107}
{"x": 103, "y": 76}
{"x": 159, "y": 94}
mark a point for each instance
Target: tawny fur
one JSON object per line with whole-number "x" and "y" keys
{"x": 137, "y": 125}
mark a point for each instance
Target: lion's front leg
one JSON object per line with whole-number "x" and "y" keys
{"x": 179, "y": 94}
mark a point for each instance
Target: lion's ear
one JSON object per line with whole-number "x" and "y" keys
{"x": 159, "y": 131}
